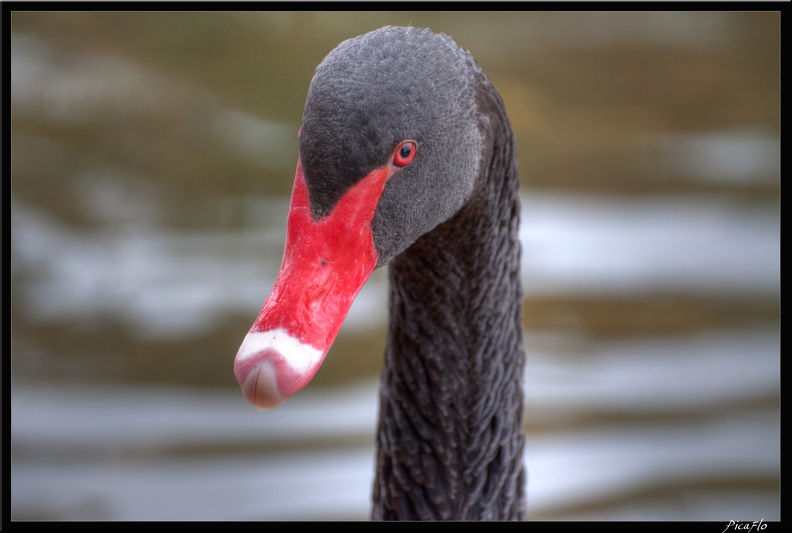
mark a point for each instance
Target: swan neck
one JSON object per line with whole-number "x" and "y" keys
{"x": 450, "y": 437}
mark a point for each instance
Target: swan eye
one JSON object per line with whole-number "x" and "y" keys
{"x": 404, "y": 154}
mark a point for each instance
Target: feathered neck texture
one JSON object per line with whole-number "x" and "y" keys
{"x": 450, "y": 438}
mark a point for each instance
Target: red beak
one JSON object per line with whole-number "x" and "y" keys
{"x": 325, "y": 264}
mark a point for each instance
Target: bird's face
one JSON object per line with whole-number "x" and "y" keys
{"x": 379, "y": 95}
{"x": 390, "y": 145}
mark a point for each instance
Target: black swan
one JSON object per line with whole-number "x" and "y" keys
{"x": 407, "y": 160}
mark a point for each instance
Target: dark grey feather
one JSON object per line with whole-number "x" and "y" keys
{"x": 450, "y": 436}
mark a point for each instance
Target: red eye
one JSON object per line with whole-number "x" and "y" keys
{"x": 404, "y": 154}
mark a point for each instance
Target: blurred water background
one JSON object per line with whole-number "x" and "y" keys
{"x": 152, "y": 159}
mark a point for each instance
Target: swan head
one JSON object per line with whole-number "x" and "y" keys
{"x": 370, "y": 95}
{"x": 390, "y": 147}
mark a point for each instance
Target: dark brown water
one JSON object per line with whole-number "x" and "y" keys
{"x": 152, "y": 158}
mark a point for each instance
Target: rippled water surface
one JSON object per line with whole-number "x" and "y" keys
{"x": 152, "y": 158}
